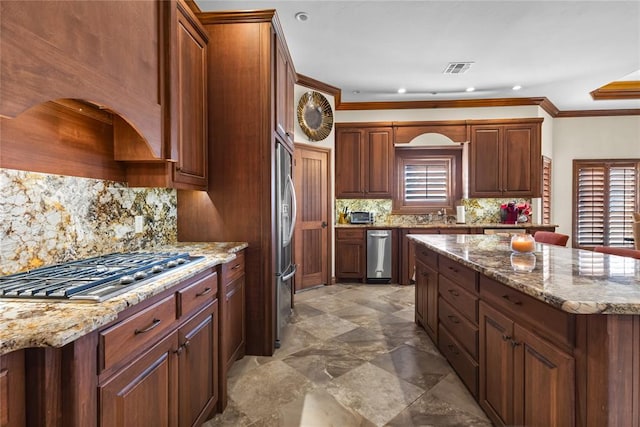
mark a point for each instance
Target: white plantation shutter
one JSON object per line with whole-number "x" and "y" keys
{"x": 428, "y": 182}
{"x": 605, "y": 199}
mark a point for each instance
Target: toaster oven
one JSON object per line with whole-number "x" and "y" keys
{"x": 359, "y": 217}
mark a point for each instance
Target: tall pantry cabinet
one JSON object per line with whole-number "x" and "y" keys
{"x": 250, "y": 87}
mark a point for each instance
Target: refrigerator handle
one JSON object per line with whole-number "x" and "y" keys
{"x": 290, "y": 274}
{"x": 294, "y": 212}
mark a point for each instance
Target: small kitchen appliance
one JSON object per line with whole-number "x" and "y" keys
{"x": 93, "y": 279}
{"x": 361, "y": 217}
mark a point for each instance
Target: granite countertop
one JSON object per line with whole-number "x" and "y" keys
{"x": 33, "y": 323}
{"x": 573, "y": 280}
{"x": 443, "y": 225}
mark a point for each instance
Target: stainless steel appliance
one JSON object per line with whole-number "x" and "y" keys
{"x": 285, "y": 225}
{"x": 378, "y": 256}
{"x": 93, "y": 279}
{"x": 360, "y": 217}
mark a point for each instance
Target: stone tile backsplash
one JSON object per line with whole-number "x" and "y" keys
{"x": 477, "y": 211}
{"x": 47, "y": 219}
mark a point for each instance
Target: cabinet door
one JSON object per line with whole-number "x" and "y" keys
{"x": 234, "y": 327}
{"x": 191, "y": 169}
{"x": 485, "y": 160}
{"x": 349, "y": 163}
{"x": 143, "y": 393}
{"x": 378, "y": 163}
{"x": 544, "y": 381}
{"x": 407, "y": 254}
{"x": 496, "y": 365}
{"x": 197, "y": 366}
{"x": 350, "y": 259}
{"x": 284, "y": 94}
{"x": 521, "y": 166}
{"x": 12, "y": 383}
{"x": 427, "y": 299}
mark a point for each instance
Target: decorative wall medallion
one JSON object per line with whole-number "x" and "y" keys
{"x": 315, "y": 116}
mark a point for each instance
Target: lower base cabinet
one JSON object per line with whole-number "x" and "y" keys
{"x": 524, "y": 379}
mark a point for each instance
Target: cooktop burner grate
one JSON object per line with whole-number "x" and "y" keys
{"x": 92, "y": 279}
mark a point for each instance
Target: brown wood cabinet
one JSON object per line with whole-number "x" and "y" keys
{"x": 364, "y": 161}
{"x": 505, "y": 158}
{"x": 351, "y": 254}
{"x": 233, "y": 339}
{"x": 12, "y": 397}
{"x": 525, "y": 380}
{"x": 285, "y": 80}
{"x": 426, "y": 277}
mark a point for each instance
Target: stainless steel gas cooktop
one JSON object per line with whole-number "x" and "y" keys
{"x": 93, "y": 279}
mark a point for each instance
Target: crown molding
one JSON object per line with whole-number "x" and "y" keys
{"x": 238, "y": 16}
{"x": 598, "y": 113}
{"x": 624, "y": 89}
{"x": 318, "y": 85}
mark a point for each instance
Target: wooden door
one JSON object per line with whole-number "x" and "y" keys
{"x": 350, "y": 259}
{"x": 520, "y": 156}
{"x": 544, "y": 382}
{"x": 378, "y": 165}
{"x": 191, "y": 99}
{"x": 311, "y": 179}
{"x": 350, "y": 174}
{"x": 485, "y": 161}
{"x": 197, "y": 366}
{"x": 496, "y": 365}
{"x": 143, "y": 393}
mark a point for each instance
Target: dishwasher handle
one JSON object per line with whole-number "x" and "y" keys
{"x": 379, "y": 235}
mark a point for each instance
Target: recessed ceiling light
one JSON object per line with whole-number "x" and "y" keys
{"x": 470, "y": 89}
{"x": 402, "y": 90}
{"x": 302, "y": 16}
{"x": 355, "y": 92}
{"x": 517, "y": 87}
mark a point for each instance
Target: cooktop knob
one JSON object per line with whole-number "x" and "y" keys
{"x": 139, "y": 275}
{"x": 125, "y": 280}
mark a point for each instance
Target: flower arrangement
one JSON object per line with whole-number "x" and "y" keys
{"x": 510, "y": 213}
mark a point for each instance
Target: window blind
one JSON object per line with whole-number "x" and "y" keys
{"x": 546, "y": 190}
{"x": 428, "y": 182}
{"x": 606, "y": 195}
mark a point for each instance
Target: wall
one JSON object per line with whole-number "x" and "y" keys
{"x": 47, "y": 219}
{"x": 586, "y": 138}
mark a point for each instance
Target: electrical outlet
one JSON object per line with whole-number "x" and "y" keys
{"x": 138, "y": 224}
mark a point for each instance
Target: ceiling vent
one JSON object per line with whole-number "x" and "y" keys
{"x": 457, "y": 67}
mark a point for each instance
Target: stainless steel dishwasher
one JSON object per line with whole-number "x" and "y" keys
{"x": 378, "y": 256}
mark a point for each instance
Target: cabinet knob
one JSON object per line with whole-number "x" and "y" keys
{"x": 506, "y": 337}
{"x": 454, "y": 292}
{"x": 514, "y": 343}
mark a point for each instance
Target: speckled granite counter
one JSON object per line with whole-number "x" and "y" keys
{"x": 25, "y": 324}
{"x": 576, "y": 281}
{"x": 443, "y": 225}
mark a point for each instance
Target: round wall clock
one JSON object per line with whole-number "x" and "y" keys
{"x": 315, "y": 116}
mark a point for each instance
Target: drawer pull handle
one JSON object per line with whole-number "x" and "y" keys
{"x": 453, "y": 349}
{"x": 453, "y": 318}
{"x": 514, "y": 302}
{"x": 153, "y": 325}
{"x": 206, "y": 291}
{"x": 235, "y": 267}
{"x": 454, "y": 292}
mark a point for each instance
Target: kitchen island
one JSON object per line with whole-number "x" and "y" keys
{"x": 97, "y": 363}
{"x": 556, "y": 345}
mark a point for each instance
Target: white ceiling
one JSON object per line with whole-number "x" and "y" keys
{"x": 561, "y": 50}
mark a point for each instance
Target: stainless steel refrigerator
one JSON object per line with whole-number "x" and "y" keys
{"x": 285, "y": 225}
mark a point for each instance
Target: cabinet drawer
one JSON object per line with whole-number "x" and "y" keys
{"x": 427, "y": 256}
{"x": 462, "y": 330}
{"x": 141, "y": 329}
{"x": 466, "y": 367}
{"x": 465, "y": 302}
{"x": 233, "y": 269}
{"x": 349, "y": 233}
{"x": 460, "y": 274}
{"x": 198, "y": 293}
{"x": 544, "y": 320}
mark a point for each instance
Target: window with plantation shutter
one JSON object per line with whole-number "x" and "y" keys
{"x": 427, "y": 180}
{"x": 605, "y": 197}
{"x": 546, "y": 190}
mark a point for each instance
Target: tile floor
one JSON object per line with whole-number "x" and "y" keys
{"x": 352, "y": 356}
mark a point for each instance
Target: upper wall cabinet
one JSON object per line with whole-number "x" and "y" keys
{"x": 80, "y": 50}
{"x": 285, "y": 82}
{"x": 364, "y": 161}
{"x": 505, "y": 158}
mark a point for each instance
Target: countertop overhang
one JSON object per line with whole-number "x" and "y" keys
{"x": 573, "y": 280}
{"x": 33, "y": 323}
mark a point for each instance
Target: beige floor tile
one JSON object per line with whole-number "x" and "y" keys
{"x": 326, "y": 326}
